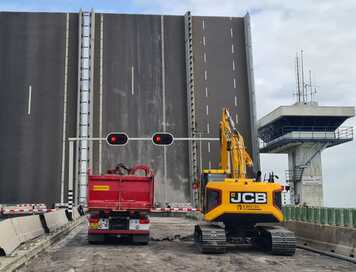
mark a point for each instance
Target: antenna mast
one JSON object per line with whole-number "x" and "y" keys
{"x": 297, "y": 77}
{"x": 303, "y": 83}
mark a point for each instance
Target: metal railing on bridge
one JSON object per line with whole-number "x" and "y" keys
{"x": 342, "y": 217}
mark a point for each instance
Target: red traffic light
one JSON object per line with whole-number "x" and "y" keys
{"x": 117, "y": 138}
{"x": 162, "y": 138}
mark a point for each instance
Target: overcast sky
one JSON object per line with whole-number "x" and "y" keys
{"x": 325, "y": 30}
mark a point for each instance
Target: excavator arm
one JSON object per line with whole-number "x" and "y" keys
{"x": 234, "y": 158}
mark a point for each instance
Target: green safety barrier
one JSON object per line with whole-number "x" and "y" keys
{"x": 321, "y": 215}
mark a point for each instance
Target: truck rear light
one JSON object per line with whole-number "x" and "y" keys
{"x": 144, "y": 220}
{"x": 94, "y": 220}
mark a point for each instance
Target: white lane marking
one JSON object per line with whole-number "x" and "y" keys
{"x": 209, "y": 164}
{"x": 235, "y": 101}
{"x": 231, "y": 33}
{"x": 236, "y": 119}
{"x": 206, "y": 91}
{"x": 209, "y": 147}
{"x": 207, "y": 109}
{"x": 233, "y": 65}
{"x": 164, "y": 108}
{"x": 204, "y": 41}
{"x": 207, "y": 128}
{"x": 206, "y": 75}
{"x": 204, "y": 57}
{"x": 132, "y": 80}
{"x": 203, "y": 25}
{"x": 232, "y": 49}
{"x": 234, "y": 83}
{"x": 29, "y": 100}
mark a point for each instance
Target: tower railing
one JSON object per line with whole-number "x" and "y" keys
{"x": 309, "y": 133}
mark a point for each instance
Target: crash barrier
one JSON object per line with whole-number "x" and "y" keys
{"x": 326, "y": 238}
{"x": 14, "y": 231}
{"x": 321, "y": 215}
{"x": 8, "y": 237}
{"x": 55, "y": 220}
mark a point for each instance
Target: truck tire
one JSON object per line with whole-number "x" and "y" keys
{"x": 140, "y": 239}
{"x": 95, "y": 239}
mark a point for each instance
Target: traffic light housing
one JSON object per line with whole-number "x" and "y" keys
{"x": 117, "y": 138}
{"x": 162, "y": 138}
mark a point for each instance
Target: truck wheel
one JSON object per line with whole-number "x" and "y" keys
{"x": 95, "y": 239}
{"x": 141, "y": 239}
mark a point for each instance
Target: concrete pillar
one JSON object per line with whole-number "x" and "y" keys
{"x": 309, "y": 190}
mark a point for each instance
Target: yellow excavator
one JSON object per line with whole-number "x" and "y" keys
{"x": 239, "y": 210}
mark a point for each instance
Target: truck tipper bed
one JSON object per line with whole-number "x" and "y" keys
{"x": 118, "y": 205}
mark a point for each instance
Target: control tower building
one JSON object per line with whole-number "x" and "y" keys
{"x": 303, "y": 131}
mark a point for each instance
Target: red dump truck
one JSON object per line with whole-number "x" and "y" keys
{"x": 119, "y": 203}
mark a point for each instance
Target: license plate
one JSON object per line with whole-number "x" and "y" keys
{"x": 134, "y": 224}
{"x": 104, "y": 224}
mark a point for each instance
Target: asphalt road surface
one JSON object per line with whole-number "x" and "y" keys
{"x": 143, "y": 92}
{"x": 170, "y": 250}
{"x": 220, "y": 80}
{"x": 32, "y": 53}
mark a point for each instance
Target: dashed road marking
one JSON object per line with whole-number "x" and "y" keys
{"x": 29, "y": 100}
{"x": 234, "y": 83}
{"x": 231, "y": 33}
{"x": 204, "y": 57}
{"x": 209, "y": 147}
{"x": 203, "y": 25}
{"x": 209, "y": 164}
{"x": 236, "y": 119}
{"x": 207, "y": 128}
{"x": 206, "y": 75}
{"x": 235, "y": 101}
{"x": 232, "y": 49}
{"x": 206, "y": 91}
{"x": 233, "y": 65}
{"x": 207, "y": 109}
{"x": 204, "y": 41}
{"x": 132, "y": 80}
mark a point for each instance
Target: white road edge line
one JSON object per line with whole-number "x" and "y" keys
{"x": 164, "y": 108}
{"x": 64, "y": 107}
{"x": 101, "y": 91}
{"x": 29, "y": 99}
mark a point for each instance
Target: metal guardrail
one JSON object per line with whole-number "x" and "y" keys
{"x": 342, "y": 217}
